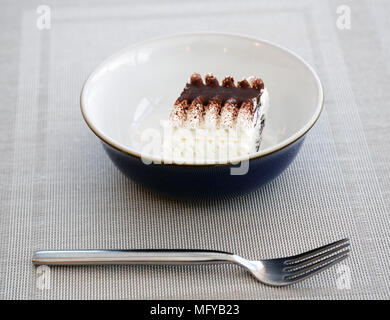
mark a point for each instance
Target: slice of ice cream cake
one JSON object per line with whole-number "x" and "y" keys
{"x": 213, "y": 122}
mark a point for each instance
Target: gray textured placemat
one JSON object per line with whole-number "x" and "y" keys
{"x": 59, "y": 190}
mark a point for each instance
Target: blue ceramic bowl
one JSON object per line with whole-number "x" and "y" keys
{"x": 126, "y": 97}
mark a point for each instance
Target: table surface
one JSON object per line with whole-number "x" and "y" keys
{"x": 60, "y": 191}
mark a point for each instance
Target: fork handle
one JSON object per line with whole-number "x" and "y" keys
{"x": 151, "y": 256}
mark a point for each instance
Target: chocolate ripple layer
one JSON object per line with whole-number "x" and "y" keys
{"x": 243, "y": 92}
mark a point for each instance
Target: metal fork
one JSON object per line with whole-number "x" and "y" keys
{"x": 273, "y": 272}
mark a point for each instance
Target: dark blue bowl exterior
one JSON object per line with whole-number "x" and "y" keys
{"x": 203, "y": 182}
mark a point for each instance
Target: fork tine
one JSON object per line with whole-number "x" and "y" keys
{"x": 315, "y": 271}
{"x": 316, "y": 258}
{"x": 314, "y": 252}
{"x": 317, "y": 267}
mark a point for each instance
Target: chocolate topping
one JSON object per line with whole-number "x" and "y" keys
{"x": 243, "y": 84}
{"x": 216, "y": 100}
{"x": 232, "y": 101}
{"x": 228, "y": 82}
{"x": 211, "y": 80}
{"x": 244, "y": 92}
{"x": 229, "y": 113}
{"x": 196, "y": 80}
{"x": 195, "y": 112}
{"x": 257, "y": 83}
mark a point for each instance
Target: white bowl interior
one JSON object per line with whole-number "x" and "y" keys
{"x": 134, "y": 89}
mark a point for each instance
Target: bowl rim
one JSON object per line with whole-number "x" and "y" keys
{"x": 260, "y": 154}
